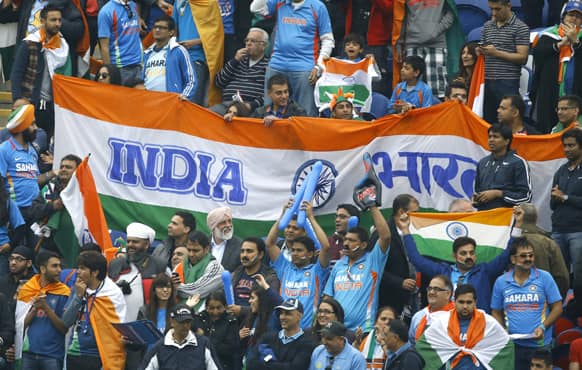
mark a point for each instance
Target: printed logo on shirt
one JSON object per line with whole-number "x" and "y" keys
{"x": 297, "y": 289}
{"x": 296, "y": 21}
{"x": 522, "y": 302}
{"x": 351, "y": 282}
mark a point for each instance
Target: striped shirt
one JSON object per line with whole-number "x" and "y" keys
{"x": 505, "y": 38}
{"x": 248, "y": 81}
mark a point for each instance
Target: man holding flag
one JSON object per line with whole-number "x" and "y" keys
{"x": 466, "y": 338}
{"x": 465, "y": 270}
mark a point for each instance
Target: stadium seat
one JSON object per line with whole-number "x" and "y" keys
{"x": 568, "y": 336}
{"x": 525, "y": 82}
{"x": 475, "y": 35}
{"x": 472, "y": 14}
{"x": 562, "y": 324}
{"x": 379, "y": 106}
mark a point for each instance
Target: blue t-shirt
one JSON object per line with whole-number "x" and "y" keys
{"x": 115, "y": 23}
{"x": 19, "y": 167}
{"x": 15, "y": 218}
{"x": 356, "y": 287}
{"x": 348, "y": 358}
{"x": 161, "y": 318}
{"x": 304, "y": 283}
{"x": 526, "y": 307}
{"x": 42, "y": 336}
{"x": 296, "y": 45}
{"x": 227, "y": 14}
{"x": 419, "y": 95}
{"x": 187, "y": 30}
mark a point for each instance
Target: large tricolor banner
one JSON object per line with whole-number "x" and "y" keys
{"x": 152, "y": 154}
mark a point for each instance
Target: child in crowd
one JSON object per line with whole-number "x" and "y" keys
{"x": 412, "y": 92}
{"x": 222, "y": 329}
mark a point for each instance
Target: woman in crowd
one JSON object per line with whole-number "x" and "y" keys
{"x": 162, "y": 298}
{"x": 222, "y": 328}
{"x": 329, "y": 310}
{"x": 236, "y": 109}
{"x": 108, "y": 74}
{"x": 370, "y": 348}
{"x": 467, "y": 60}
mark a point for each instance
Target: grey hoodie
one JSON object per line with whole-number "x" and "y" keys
{"x": 426, "y": 23}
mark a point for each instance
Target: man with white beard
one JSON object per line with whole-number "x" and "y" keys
{"x": 225, "y": 248}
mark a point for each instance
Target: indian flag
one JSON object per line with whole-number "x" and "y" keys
{"x": 476, "y": 98}
{"x": 486, "y": 342}
{"x": 434, "y": 233}
{"x": 153, "y": 155}
{"x": 354, "y": 77}
{"x": 81, "y": 200}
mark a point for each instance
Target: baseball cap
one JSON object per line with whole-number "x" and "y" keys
{"x": 291, "y": 304}
{"x": 181, "y": 313}
{"x": 572, "y": 5}
{"x": 333, "y": 329}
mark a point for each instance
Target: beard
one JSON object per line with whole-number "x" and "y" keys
{"x": 29, "y": 136}
{"x": 225, "y": 234}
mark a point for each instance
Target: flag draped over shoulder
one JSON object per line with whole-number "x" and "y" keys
{"x": 352, "y": 77}
{"x": 27, "y": 292}
{"x": 477, "y": 90}
{"x": 434, "y": 233}
{"x": 487, "y": 342}
{"x": 109, "y": 308}
{"x": 82, "y": 202}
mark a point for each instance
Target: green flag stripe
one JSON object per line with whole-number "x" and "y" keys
{"x": 443, "y": 249}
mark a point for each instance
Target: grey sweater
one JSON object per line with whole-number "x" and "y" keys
{"x": 426, "y": 23}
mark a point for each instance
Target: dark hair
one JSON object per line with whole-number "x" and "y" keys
{"x": 4, "y": 207}
{"x": 356, "y": 38}
{"x": 385, "y": 308}
{"x": 306, "y": 241}
{"x": 445, "y": 279}
{"x": 362, "y": 233}
{"x": 338, "y": 311}
{"x": 200, "y": 238}
{"x": 571, "y": 99}
{"x": 94, "y": 261}
{"x": 399, "y": 328}
{"x": 544, "y": 355}
{"x": 161, "y": 280}
{"x": 169, "y": 21}
{"x": 44, "y": 256}
{"x": 461, "y": 241}
{"x": 504, "y": 131}
{"x": 114, "y": 74}
{"x": 471, "y": 46}
{"x": 575, "y": 133}
{"x": 50, "y": 8}
{"x": 72, "y": 158}
{"x": 350, "y": 208}
{"x": 417, "y": 64}
{"x": 464, "y": 289}
{"x": 455, "y": 84}
{"x": 264, "y": 314}
{"x": 133, "y": 82}
{"x": 277, "y": 79}
{"x": 187, "y": 219}
{"x": 500, "y": 1}
{"x": 402, "y": 201}
{"x": 519, "y": 242}
{"x": 241, "y": 109}
{"x": 94, "y": 247}
{"x": 217, "y": 295}
{"x": 516, "y": 102}
{"x": 256, "y": 241}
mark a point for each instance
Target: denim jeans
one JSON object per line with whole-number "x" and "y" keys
{"x": 32, "y": 361}
{"x": 300, "y": 89}
{"x": 570, "y": 245}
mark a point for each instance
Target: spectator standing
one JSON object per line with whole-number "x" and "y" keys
{"x": 336, "y": 241}
{"x": 558, "y": 65}
{"x": 303, "y": 40}
{"x": 505, "y": 44}
{"x": 566, "y": 199}
{"x": 181, "y": 224}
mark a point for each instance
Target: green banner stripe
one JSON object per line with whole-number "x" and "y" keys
{"x": 443, "y": 249}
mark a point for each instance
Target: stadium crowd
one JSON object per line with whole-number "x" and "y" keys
{"x": 350, "y": 298}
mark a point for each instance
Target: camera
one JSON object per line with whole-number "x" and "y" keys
{"x": 125, "y": 287}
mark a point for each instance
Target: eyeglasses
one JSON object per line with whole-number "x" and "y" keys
{"x": 160, "y": 27}
{"x": 103, "y": 75}
{"x": 436, "y": 289}
{"x": 128, "y": 10}
{"x": 560, "y": 109}
{"x": 17, "y": 259}
{"x": 325, "y": 312}
{"x": 253, "y": 41}
{"x": 525, "y": 255}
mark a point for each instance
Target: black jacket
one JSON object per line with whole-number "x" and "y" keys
{"x": 295, "y": 355}
{"x": 510, "y": 174}
{"x": 567, "y": 216}
{"x": 407, "y": 360}
{"x": 223, "y": 334}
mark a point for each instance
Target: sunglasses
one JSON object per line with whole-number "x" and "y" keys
{"x": 103, "y": 75}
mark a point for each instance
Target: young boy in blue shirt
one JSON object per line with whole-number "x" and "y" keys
{"x": 412, "y": 92}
